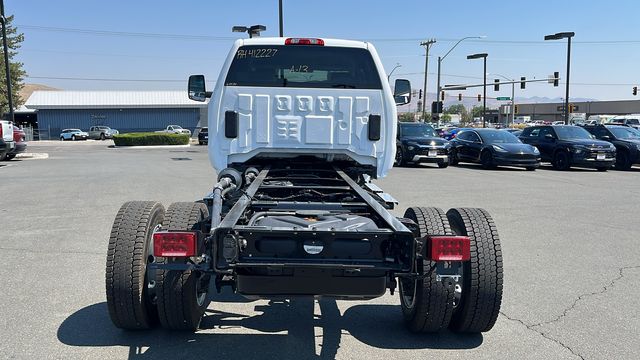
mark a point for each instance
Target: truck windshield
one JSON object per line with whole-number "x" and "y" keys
{"x": 303, "y": 66}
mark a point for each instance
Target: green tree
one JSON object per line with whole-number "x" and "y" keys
{"x": 14, "y": 42}
{"x": 476, "y": 112}
{"x": 456, "y": 109}
{"x": 445, "y": 117}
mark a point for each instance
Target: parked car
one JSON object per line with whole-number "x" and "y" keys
{"x": 454, "y": 132}
{"x": 6, "y": 138}
{"x": 203, "y": 136}
{"x": 175, "y": 129}
{"x": 73, "y": 135}
{"x": 419, "y": 143}
{"x": 625, "y": 139}
{"x": 491, "y": 148}
{"x": 629, "y": 120}
{"x": 102, "y": 132}
{"x": 21, "y": 145}
{"x": 568, "y": 145}
{"x": 560, "y": 122}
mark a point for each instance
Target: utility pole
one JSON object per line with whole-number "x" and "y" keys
{"x": 280, "y": 13}
{"x": 3, "y": 20}
{"x": 427, "y": 45}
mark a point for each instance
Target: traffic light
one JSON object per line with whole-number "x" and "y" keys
{"x": 523, "y": 84}
{"x": 420, "y": 94}
{"x": 556, "y": 76}
{"x": 496, "y": 85}
{"x": 442, "y": 96}
{"x": 515, "y": 109}
{"x": 479, "y": 97}
{"x": 635, "y": 90}
{"x": 459, "y": 97}
{"x": 571, "y": 108}
{"x": 436, "y": 107}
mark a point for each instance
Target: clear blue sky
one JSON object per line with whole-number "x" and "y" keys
{"x": 605, "y": 56}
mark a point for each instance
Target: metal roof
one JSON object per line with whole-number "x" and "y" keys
{"x": 43, "y": 99}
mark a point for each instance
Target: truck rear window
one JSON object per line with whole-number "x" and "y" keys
{"x": 303, "y": 66}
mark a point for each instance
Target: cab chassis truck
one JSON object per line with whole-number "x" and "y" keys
{"x": 300, "y": 127}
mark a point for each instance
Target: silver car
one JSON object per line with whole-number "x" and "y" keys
{"x": 102, "y": 132}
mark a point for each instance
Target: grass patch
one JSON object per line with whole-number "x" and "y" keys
{"x": 150, "y": 138}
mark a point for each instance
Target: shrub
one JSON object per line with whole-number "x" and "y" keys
{"x": 150, "y": 138}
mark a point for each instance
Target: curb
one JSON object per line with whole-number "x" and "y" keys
{"x": 32, "y": 156}
{"x": 149, "y": 147}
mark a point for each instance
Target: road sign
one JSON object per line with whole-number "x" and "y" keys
{"x": 503, "y": 98}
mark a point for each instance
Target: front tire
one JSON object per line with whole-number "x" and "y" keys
{"x": 73, "y": 138}
{"x": 443, "y": 165}
{"x": 399, "y": 160}
{"x": 623, "y": 161}
{"x": 486, "y": 159}
{"x": 182, "y": 295}
{"x": 561, "y": 161}
{"x": 481, "y": 293}
{"x": 128, "y": 283}
{"x": 426, "y": 303}
{"x": 102, "y": 137}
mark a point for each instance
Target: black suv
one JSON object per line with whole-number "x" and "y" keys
{"x": 626, "y": 140}
{"x": 419, "y": 143}
{"x": 566, "y": 146}
{"x": 203, "y": 136}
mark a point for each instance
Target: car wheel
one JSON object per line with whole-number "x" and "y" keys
{"x": 453, "y": 158}
{"x": 102, "y": 137}
{"x": 531, "y": 168}
{"x": 623, "y": 161}
{"x": 61, "y": 138}
{"x": 9, "y": 156}
{"x": 426, "y": 303}
{"x": 478, "y": 296}
{"x": 443, "y": 165}
{"x": 399, "y": 160}
{"x": 73, "y": 138}
{"x": 129, "y": 283}
{"x": 182, "y": 294}
{"x": 561, "y": 161}
{"x": 486, "y": 159}
{"x": 602, "y": 169}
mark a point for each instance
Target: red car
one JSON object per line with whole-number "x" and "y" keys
{"x": 21, "y": 145}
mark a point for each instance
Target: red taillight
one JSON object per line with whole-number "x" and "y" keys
{"x": 304, "y": 41}
{"x": 171, "y": 244}
{"x": 448, "y": 248}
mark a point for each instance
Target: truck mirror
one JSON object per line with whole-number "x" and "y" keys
{"x": 197, "y": 90}
{"x": 402, "y": 91}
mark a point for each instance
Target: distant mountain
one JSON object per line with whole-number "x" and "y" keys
{"x": 28, "y": 89}
{"x": 471, "y": 101}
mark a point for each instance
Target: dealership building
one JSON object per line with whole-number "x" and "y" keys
{"x": 126, "y": 111}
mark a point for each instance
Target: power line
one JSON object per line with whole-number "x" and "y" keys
{"x": 226, "y": 38}
{"x": 106, "y": 79}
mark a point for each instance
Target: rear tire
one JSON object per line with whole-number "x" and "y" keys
{"x": 443, "y": 165}
{"x": 182, "y": 295}
{"x": 102, "y": 137}
{"x": 427, "y": 303}
{"x": 130, "y": 303}
{"x": 482, "y": 278}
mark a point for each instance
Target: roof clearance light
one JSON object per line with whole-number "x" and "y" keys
{"x": 448, "y": 248}
{"x": 178, "y": 244}
{"x": 304, "y": 41}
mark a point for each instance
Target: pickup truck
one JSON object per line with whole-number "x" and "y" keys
{"x": 175, "y": 129}
{"x": 102, "y": 132}
{"x": 300, "y": 126}
{"x": 21, "y": 145}
{"x": 6, "y": 139}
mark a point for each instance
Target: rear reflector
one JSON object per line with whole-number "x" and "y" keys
{"x": 174, "y": 244}
{"x": 448, "y": 248}
{"x": 304, "y": 41}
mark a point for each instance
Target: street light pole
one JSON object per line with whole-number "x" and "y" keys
{"x": 482, "y": 56}
{"x": 392, "y": 70}
{"x": 443, "y": 57}
{"x": 427, "y": 45}
{"x": 513, "y": 94}
{"x": 568, "y": 36}
{"x": 280, "y": 16}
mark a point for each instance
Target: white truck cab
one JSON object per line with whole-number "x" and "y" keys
{"x": 287, "y": 97}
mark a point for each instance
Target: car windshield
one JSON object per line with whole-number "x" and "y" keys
{"x": 102, "y": 128}
{"x": 625, "y": 133}
{"x": 498, "y": 137}
{"x": 572, "y": 132}
{"x": 176, "y": 127}
{"x": 307, "y": 66}
{"x": 418, "y": 131}
{"x": 205, "y": 129}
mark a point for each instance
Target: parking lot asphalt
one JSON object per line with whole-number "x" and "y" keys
{"x": 570, "y": 244}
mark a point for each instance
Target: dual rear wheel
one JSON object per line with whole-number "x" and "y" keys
{"x": 140, "y": 297}
{"x": 469, "y": 305}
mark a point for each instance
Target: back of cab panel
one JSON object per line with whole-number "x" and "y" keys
{"x": 302, "y": 99}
